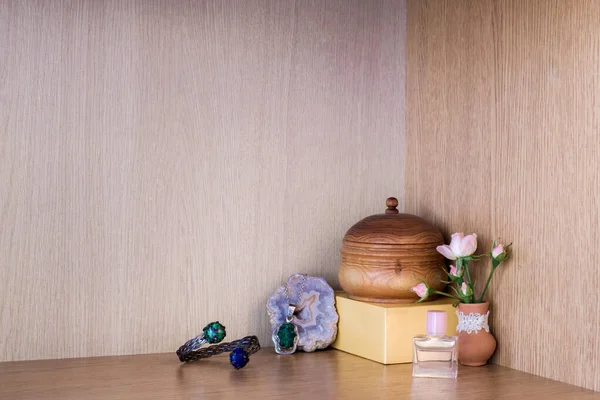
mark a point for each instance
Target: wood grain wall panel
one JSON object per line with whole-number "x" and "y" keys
{"x": 502, "y": 140}
{"x": 168, "y": 163}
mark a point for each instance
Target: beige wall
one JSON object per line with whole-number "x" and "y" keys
{"x": 503, "y": 140}
{"x": 168, "y": 163}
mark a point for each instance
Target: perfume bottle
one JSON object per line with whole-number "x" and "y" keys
{"x": 434, "y": 354}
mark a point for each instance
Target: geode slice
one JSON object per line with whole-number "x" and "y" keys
{"x": 315, "y": 315}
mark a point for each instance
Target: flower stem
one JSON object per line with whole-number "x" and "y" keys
{"x": 487, "y": 284}
{"x": 446, "y": 294}
{"x": 466, "y": 266}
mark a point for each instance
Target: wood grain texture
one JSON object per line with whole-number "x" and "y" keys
{"x": 328, "y": 374}
{"x": 502, "y": 140}
{"x": 387, "y": 254}
{"x": 164, "y": 164}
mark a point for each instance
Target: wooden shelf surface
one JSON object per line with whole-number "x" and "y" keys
{"x": 329, "y": 374}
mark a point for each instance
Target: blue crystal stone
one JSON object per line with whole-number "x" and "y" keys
{"x": 238, "y": 358}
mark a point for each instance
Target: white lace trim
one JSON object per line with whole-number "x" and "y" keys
{"x": 472, "y": 322}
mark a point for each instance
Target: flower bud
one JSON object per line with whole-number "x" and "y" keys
{"x": 499, "y": 253}
{"x": 421, "y": 290}
{"x": 456, "y": 273}
{"x": 466, "y": 290}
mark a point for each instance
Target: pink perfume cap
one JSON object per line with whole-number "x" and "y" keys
{"x": 436, "y": 323}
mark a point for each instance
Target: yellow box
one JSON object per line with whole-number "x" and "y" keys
{"x": 384, "y": 332}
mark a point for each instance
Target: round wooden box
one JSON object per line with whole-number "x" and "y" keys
{"x": 385, "y": 255}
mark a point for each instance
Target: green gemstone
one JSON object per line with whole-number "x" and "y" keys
{"x": 214, "y": 332}
{"x": 286, "y": 335}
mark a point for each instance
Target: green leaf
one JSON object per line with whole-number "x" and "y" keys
{"x": 447, "y": 273}
{"x": 456, "y": 291}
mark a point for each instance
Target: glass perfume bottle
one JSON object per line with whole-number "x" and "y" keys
{"x": 434, "y": 354}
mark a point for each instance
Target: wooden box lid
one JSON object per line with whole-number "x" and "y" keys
{"x": 393, "y": 228}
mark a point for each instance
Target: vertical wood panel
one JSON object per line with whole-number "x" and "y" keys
{"x": 503, "y": 139}
{"x": 164, "y": 163}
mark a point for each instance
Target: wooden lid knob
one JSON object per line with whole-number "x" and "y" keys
{"x": 391, "y": 204}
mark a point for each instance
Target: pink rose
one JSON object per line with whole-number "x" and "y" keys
{"x": 460, "y": 246}
{"x": 454, "y": 272}
{"x": 499, "y": 252}
{"x": 421, "y": 290}
{"x": 446, "y": 252}
{"x": 466, "y": 289}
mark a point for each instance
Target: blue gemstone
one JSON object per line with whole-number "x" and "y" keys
{"x": 238, "y": 358}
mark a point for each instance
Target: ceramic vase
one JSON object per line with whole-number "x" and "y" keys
{"x": 475, "y": 342}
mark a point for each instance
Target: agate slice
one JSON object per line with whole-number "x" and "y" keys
{"x": 315, "y": 315}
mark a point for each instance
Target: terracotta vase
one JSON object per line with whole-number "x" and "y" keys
{"x": 475, "y": 342}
